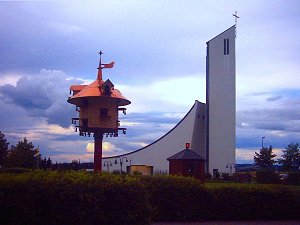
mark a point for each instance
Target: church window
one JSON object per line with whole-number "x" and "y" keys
{"x": 226, "y": 46}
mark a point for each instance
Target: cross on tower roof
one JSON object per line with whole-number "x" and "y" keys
{"x": 236, "y": 17}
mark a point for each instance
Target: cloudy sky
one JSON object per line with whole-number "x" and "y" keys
{"x": 158, "y": 47}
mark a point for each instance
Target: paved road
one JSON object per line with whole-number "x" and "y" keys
{"x": 291, "y": 222}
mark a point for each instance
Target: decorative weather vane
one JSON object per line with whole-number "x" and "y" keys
{"x": 236, "y": 18}
{"x": 103, "y": 66}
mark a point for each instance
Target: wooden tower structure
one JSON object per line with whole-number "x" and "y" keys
{"x": 98, "y": 105}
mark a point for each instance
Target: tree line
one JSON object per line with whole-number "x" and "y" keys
{"x": 289, "y": 161}
{"x": 25, "y": 155}
{"x": 22, "y": 155}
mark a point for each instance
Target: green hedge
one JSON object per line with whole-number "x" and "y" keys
{"x": 177, "y": 199}
{"x": 267, "y": 177}
{"x": 86, "y": 198}
{"x": 293, "y": 178}
{"x": 255, "y": 203}
{"x": 72, "y": 198}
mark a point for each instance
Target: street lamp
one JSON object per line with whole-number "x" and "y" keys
{"x": 262, "y": 142}
{"x": 121, "y": 162}
{"x": 107, "y": 164}
{"x": 230, "y": 166}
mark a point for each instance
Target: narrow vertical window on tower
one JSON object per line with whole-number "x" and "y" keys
{"x": 226, "y": 46}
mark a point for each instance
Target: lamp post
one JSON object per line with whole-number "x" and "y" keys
{"x": 107, "y": 164}
{"x": 230, "y": 166}
{"x": 121, "y": 162}
{"x": 262, "y": 142}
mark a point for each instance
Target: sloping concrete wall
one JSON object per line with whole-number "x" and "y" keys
{"x": 189, "y": 129}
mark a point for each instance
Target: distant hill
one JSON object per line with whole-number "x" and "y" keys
{"x": 252, "y": 167}
{"x": 245, "y": 167}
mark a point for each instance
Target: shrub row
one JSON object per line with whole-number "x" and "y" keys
{"x": 72, "y": 198}
{"x": 184, "y": 199}
{"x": 267, "y": 177}
{"x": 83, "y": 198}
{"x": 270, "y": 177}
{"x": 293, "y": 178}
{"x": 255, "y": 203}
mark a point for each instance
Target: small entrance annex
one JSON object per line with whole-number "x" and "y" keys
{"x": 187, "y": 163}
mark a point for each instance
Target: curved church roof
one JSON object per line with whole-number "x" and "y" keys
{"x": 192, "y": 114}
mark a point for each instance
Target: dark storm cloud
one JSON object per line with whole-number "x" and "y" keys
{"x": 28, "y": 94}
{"x": 278, "y": 121}
{"x": 283, "y": 118}
{"x": 148, "y": 126}
{"x": 152, "y": 117}
{"x": 274, "y": 98}
{"x": 42, "y": 96}
{"x": 145, "y": 129}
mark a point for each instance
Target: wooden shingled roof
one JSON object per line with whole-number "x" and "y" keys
{"x": 186, "y": 154}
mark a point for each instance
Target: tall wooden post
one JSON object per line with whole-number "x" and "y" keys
{"x": 98, "y": 137}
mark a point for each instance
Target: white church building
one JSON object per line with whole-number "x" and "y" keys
{"x": 208, "y": 127}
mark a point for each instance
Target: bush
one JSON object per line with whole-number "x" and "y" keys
{"x": 242, "y": 177}
{"x": 137, "y": 173}
{"x": 254, "y": 203}
{"x": 174, "y": 198}
{"x": 293, "y": 178}
{"x": 48, "y": 197}
{"x": 225, "y": 176}
{"x": 16, "y": 170}
{"x": 267, "y": 177}
{"x": 72, "y": 198}
{"x": 208, "y": 176}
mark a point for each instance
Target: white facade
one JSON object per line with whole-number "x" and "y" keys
{"x": 220, "y": 102}
{"x": 191, "y": 129}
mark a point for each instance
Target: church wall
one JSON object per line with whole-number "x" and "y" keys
{"x": 198, "y": 138}
{"x": 156, "y": 154}
{"x": 221, "y": 100}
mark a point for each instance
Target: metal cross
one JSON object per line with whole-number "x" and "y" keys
{"x": 236, "y": 17}
{"x": 100, "y": 53}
